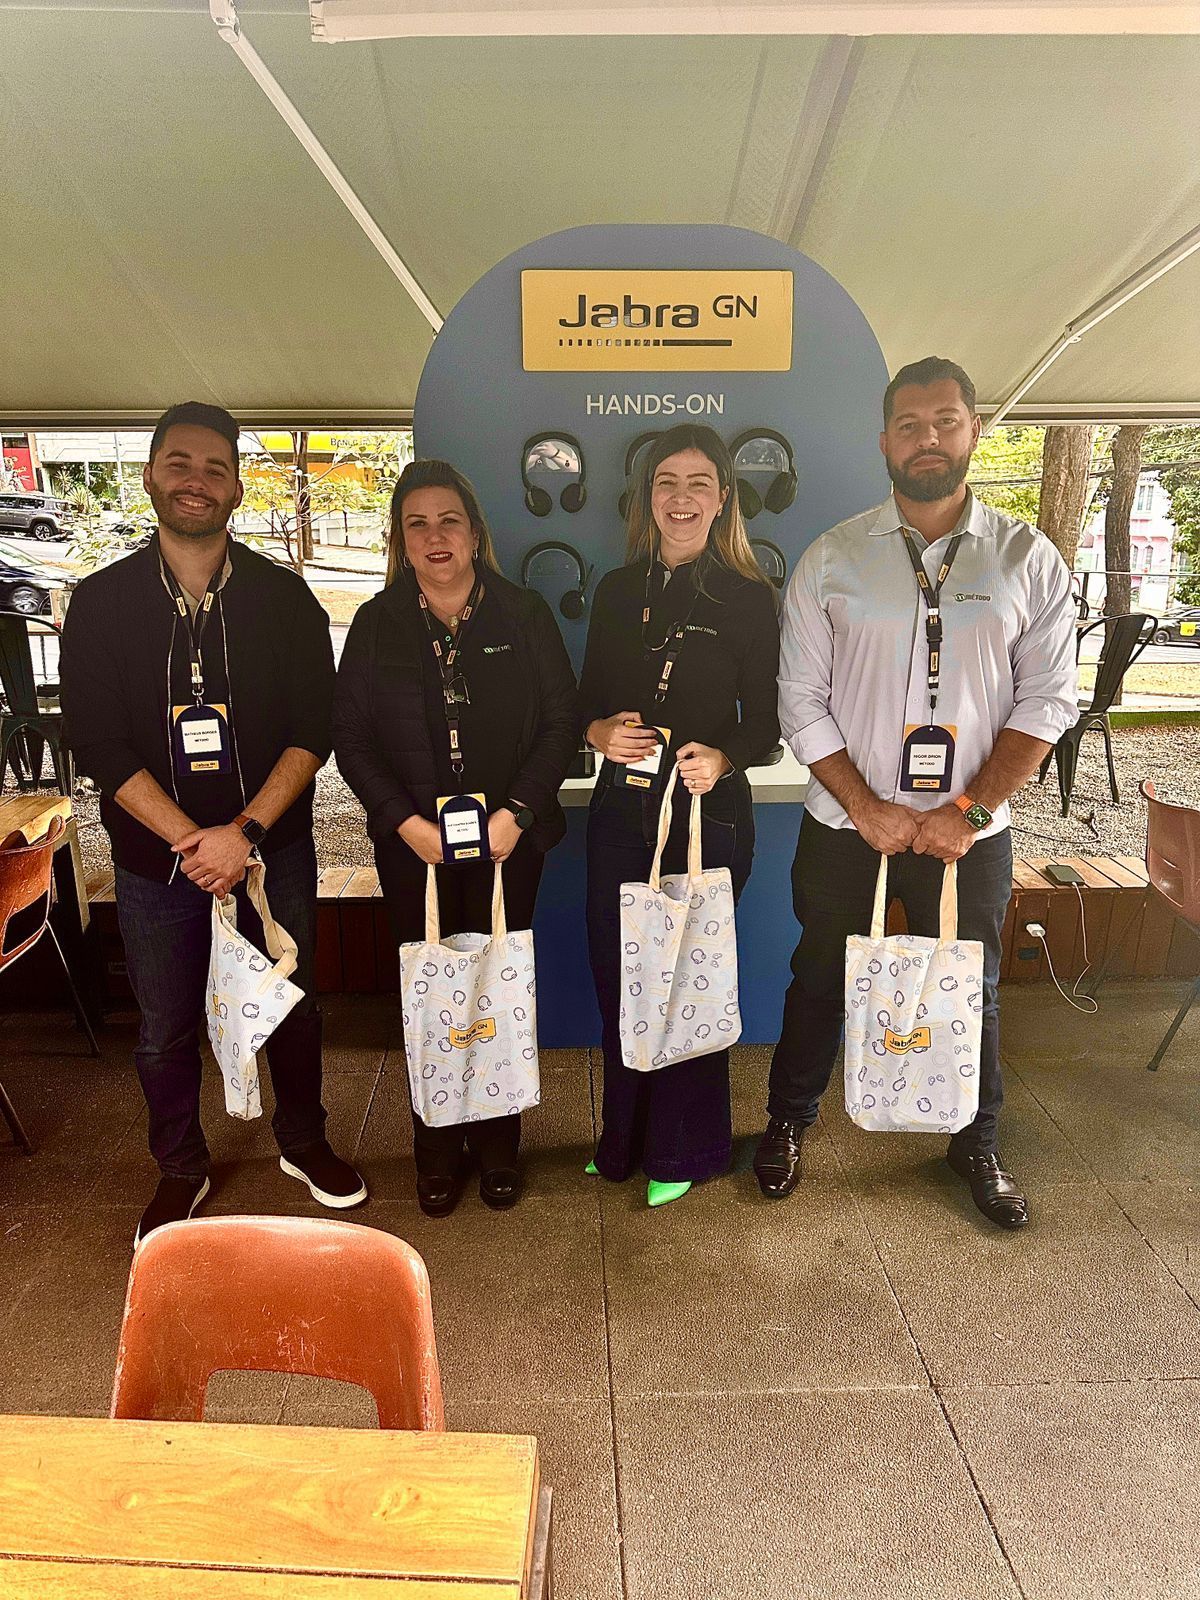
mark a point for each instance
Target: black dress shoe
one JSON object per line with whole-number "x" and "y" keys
{"x": 439, "y": 1193}
{"x": 994, "y": 1191}
{"x": 501, "y": 1187}
{"x": 777, "y": 1159}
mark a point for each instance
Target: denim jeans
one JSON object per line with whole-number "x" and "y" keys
{"x": 833, "y": 888}
{"x": 167, "y": 930}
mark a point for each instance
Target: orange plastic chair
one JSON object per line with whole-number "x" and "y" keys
{"x": 26, "y": 895}
{"x": 276, "y": 1294}
{"x": 1173, "y": 865}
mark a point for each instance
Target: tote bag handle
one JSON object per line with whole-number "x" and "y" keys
{"x": 281, "y": 947}
{"x": 948, "y": 910}
{"x": 694, "y": 866}
{"x": 433, "y": 921}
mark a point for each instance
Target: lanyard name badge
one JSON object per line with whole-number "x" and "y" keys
{"x": 647, "y": 773}
{"x": 927, "y": 760}
{"x": 199, "y": 732}
{"x": 462, "y": 818}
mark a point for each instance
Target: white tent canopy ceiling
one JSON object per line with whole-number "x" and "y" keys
{"x": 167, "y": 234}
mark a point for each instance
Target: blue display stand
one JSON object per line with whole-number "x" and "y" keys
{"x": 477, "y": 405}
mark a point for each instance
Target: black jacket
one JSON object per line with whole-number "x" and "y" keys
{"x": 381, "y": 735}
{"x": 115, "y": 647}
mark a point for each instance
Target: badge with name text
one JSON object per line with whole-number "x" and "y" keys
{"x": 200, "y": 739}
{"x": 463, "y": 821}
{"x": 646, "y": 774}
{"x": 927, "y": 764}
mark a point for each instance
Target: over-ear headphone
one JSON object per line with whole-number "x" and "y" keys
{"x": 782, "y": 489}
{"x": 775, "y": 565}
{"x": 539, "y": 500}
{"x": 631, "y": 455}
{"x": 573, "y": 603}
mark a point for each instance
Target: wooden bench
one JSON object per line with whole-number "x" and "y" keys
{"x": 1129, "y": 930}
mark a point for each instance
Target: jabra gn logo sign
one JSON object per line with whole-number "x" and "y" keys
{"x": 617, "y": 321}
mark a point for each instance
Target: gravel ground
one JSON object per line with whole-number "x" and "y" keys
{"x": 1169, "y": 755}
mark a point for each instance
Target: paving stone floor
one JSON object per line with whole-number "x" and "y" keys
{"x": 864, "y": 1391}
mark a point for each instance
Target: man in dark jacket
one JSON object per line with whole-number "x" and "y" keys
{"x": 197, "y": 679}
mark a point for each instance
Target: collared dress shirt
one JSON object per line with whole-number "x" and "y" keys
{"x": 853, "y": 654}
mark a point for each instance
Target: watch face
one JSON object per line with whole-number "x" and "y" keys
{"x": 978, "y": 816}
{"x": 524, "y": 817}
{"x": 254, "y": 831}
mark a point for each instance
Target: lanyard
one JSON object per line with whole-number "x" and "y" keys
{"x": 931, "y": 593}
{"x": 672, "y": 641}
{"x": 452, "y": 698}
{"x": 195, "y": 625}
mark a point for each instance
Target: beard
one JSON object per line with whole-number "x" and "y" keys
{"x": 190, "y": 524}
{"x": 930, "y": 485}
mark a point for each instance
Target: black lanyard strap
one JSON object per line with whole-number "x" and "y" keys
{"x": 195, "y": 625}
{"x": 672, "y": 641}
{"x": 931, "y": 593}
{"x": 446, "y": 659}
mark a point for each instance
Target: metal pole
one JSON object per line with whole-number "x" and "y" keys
{"x": 224, "y": 14}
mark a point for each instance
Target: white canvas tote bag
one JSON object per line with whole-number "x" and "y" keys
{"x": 679, "y": 976}
{"x": 469, "y": 1006}
{"x": 914, "y": 1016}
{"x": 249, "y": 995}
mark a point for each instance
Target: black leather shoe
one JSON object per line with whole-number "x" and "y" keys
{"x": 777, "y": 1159}
{"x": 501, "y": 1187}
{"x": 994, "y": 1191}
{"x": 439, "y": 1193}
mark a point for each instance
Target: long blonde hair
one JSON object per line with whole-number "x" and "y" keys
{"x": 728, "y": 544}
{"x": 430, "y": 474}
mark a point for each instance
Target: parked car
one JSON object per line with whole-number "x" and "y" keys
{"x": 41, "y": 516}
{"x": 1180, "y": 626}
{"x": 26, "y": 585}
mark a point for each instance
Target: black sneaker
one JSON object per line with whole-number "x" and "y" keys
{"x": 331, "y": 1181}
{"x": 174, "y": 1201}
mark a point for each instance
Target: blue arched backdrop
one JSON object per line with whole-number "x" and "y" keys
{"x": 476, "y": 406}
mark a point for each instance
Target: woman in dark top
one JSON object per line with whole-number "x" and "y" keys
{"x": 691, "y": 609}
{"x": 514, "y": 703}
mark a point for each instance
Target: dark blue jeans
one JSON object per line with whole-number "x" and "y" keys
{"x": 833, "y": 889}
{"x": 675, "y": 1123}
{"x": 166, "y": 929}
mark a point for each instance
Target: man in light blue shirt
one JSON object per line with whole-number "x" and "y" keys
{"x": 927, "y": 666}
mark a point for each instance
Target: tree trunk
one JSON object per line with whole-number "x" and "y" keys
{"x": 1127, "y": 467}
{"x": 302, "y": 498}
{"x": 1066, "y": 457}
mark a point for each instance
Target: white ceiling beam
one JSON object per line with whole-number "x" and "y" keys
{"x": 340, "y": 21}
{"x": 816, "y": 129}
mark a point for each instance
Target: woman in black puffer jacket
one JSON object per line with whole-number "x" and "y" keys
{"x": 513, "y": 698}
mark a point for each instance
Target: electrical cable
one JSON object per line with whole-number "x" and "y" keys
{"x": 1083, "y": 1003}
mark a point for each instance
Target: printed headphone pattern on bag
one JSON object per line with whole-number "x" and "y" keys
{"x": 573, "y": 603}
{"x": 540, "y": 501}
{"x": 782, "y": 489}
{"x": 631, "y": 457}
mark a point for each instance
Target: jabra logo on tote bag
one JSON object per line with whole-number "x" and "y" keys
{"x": 463, "y": 1038}
{"x": 901, "y": 1043}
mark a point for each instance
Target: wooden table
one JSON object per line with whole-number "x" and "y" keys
{"x": 210, "y": 1511}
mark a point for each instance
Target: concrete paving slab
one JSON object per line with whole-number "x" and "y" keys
{"x": 806, "y": 1496}
{"x": 1078, "y": 1294}
{"x": 1036, "y": 1024}
{"x": 1168, "y": 1214}
{"x": 723, "y": 1291}
{"x": 518, "y": 1296}
{"x": 1093, "y": 1487}
{"x": 76, "y": 1112}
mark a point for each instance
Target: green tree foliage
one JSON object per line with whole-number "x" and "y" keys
{"x": 1183, "y": 485}
{"x": 1005, "y": 454}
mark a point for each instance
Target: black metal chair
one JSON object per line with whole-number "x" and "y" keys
{"x": 1125, "y": 639}
{"x": 27, "y": 727}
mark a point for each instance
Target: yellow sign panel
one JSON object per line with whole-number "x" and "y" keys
{"x": 616, "y": 320}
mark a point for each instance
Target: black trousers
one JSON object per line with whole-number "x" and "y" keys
{"x": 674, "y": 1123}
{"x": 833, "y": 889}
{"x": 464, "y": 906}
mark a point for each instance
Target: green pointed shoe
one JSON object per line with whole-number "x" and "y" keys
{"x": 592, "y": 1170}
{"x": 661, "y": 1194}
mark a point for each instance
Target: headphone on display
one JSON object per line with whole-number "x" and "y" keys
{"x": 540, "y": 501}
{"x": 776, "y": 559}
{"x": 782, "y": 489}
{"x": 631, "y": 455}
{"x": 573, "y": 603}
